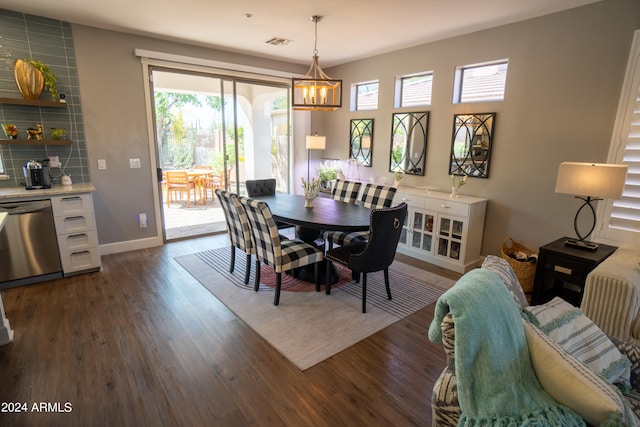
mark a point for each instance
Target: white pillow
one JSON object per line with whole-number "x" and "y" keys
{"x": 567, "y": 326}
{"x": 574, "y": 385}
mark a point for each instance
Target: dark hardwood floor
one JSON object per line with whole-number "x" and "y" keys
{"x": 142, "y": 343}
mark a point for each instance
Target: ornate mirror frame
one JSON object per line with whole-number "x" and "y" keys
{"x": 471, "y": 144}
{"x": 361, "y": 141}
{"x": 408, "y": 151}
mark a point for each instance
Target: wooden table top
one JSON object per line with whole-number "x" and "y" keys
{"x": 326, "y": 214}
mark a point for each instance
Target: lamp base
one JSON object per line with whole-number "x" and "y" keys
{"x": 581, "y": 244}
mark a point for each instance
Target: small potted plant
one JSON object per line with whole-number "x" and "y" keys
{"x": 49, "y": 77}
{"x": 58, "y": 133}
{"x": 310, "y": 190}
{"x": 10, "y": 130}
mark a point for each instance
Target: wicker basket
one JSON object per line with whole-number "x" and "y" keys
{"x": 525, "y": 271}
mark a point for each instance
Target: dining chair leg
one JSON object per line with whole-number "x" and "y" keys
{"x": 364, "y": 292}
{"x": 232, "y": 265}
{"x": 256, "y": 285}
{"x": 386, "y": 282}
{"x": 316, "y": 275}
{"x": 276, "y": 299}
{"x": 247, "y": 270}
{"x": 327, "y": 280}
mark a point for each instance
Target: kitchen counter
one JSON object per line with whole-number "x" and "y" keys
{"x": 6, "y": 334}
{"x": 56, "y": 190}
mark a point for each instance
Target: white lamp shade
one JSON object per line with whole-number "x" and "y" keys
{"x": 599, "y": 180}
{"x": 315, "y": 142}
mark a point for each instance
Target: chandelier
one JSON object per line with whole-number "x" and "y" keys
{"x": 315, "y": 90}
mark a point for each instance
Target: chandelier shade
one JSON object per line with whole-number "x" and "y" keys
{"x": 316, "y": 90}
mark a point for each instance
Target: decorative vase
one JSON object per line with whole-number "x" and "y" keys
{"x": 29, "y": 79}
{"x": 309, "y": 197}
{"x": 396, "y": 183}
{"x": 454, "y": 192}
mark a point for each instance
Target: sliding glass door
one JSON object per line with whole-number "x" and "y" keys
{"x": 215, "y": 131}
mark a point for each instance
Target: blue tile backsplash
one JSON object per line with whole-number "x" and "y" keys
{"x": 50, "y": 41}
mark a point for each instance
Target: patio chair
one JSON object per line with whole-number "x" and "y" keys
{"x": 346, "y": 191}
{"x": 237, "y": 227}
{"x": 373, "y": 197}
{"x": 376, "y": 254}
{"x": 179, "y": 181}
{"x": 270, "y": 248}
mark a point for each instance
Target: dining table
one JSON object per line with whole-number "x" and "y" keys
{"x": 325, "y": 215}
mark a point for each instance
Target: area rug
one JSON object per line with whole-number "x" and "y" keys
{"x": 308, "y": 327}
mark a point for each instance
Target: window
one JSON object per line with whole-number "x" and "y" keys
{"x": 364, "y": 96}
{"x": 414, "y": 90}
{"x": 480, "y": 82}
{"x": 620, "y": 219}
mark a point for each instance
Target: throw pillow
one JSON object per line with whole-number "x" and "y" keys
{"x": 575, "y": 386}
{"x": 567, "y": 326}
{"x": 508, "y": 276}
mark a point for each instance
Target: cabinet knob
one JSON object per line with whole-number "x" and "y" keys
{"x": 445, "y": 206}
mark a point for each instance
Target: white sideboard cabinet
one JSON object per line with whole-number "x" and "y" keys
{"x": 77, "y": 233}
{"x": 442, "y": 230}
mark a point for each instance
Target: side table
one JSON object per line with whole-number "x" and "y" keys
{"x": 562, "y": 271}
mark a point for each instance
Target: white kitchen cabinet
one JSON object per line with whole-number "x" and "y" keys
{"x": 77, "y": 233}
{"x": 442, "y": 230}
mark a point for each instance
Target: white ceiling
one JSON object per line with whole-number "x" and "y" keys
{"x": 349, "y": 30}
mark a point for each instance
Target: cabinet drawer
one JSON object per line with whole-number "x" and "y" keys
{"x": 77, "y": 241}
{"x": 80, "y": 261}
{"x": 570, "y": 270}
{"x": 71, "y": 205}
{"x": 448, "y": 207}
{"x": 411, "y": 200}
{"x": 74, "y": 224}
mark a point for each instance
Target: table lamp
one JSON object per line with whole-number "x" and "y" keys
{"x": 589, "y": 182}
{"x": 314, "y": 142}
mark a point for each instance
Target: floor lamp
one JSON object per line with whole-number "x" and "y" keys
{"x": 589, "y": 182}
{"x": 314, "y": 142}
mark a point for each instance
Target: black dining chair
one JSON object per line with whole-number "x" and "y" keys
{"x": 260, "y": 187}
{"x": 376, "y": 254}
{"x": 346, "y": 191}
{"x": 373, "y": 197}
{"x": 270, "y": 248}
{"x": 237, "y": 227}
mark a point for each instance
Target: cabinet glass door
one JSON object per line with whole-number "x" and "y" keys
{"x": 422, "y": 231}
{"x": 450, "y": 237}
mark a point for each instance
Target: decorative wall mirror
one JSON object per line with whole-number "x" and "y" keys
{"x": 361, "y": 141}
{"x": 409, "y": 142}
{"x": 471, "y": 144}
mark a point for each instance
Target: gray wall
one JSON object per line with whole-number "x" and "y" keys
{"x": 563, "y": 85}
{"x": 565, "y": 75}
{"x": 112, "y": 93}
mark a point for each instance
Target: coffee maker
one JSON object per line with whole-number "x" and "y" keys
{"x": 36, "y": 175}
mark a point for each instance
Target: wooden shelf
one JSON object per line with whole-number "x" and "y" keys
{"x": 35, "y": 142}
{"x": 34, "y": 103}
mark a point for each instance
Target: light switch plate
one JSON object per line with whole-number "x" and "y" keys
{"x": 102, "y": 164}
{"x": 134, "y": 163}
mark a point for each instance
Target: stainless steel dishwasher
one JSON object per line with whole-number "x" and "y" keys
{"x": 28, "y": 244}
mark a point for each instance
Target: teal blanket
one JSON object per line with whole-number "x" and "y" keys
{"x": 496, "y": 382}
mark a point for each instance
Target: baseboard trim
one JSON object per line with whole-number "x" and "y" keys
{"x": 130, "y": 245}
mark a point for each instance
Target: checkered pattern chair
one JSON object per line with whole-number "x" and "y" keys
{"x": 346, "y": 191}
{"x": 271, "y": 249}
{"x": 373, "y": 197}
{"x": 237, "y": 227}
{"x": 376, "y": 254}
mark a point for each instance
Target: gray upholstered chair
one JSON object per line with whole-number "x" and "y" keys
{"x": 346, "y": 191}
{"x": 376, "y": 254}
{"x": 237, "y": 227}
{"x": 260, "y": 187}
{"x": 373, "y": 197}
{"x": 270, "y": 248}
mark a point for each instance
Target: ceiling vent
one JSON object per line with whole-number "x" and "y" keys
{"x": 278, "y": 41}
